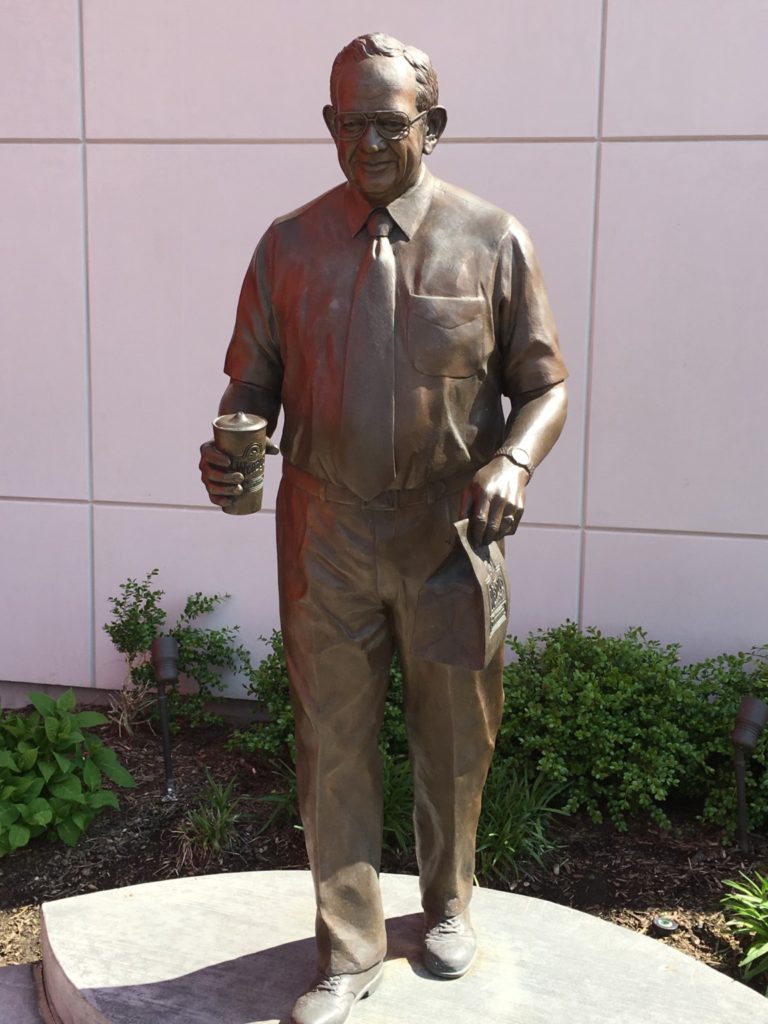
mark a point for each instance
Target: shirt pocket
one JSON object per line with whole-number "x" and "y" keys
{"x": 448, "y": 337}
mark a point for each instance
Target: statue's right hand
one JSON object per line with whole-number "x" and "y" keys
{"x": 222, "y": 486}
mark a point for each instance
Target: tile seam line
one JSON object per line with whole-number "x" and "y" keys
{"x": 640, "y": 531}
{"x": 313, "y": 141}
{"x": 88, "y": 348}
{"x": 589, "y": 360}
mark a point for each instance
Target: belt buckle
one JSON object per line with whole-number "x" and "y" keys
{"x": 384, "y": 502}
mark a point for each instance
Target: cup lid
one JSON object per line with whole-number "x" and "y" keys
{"x": 240, "y": 421}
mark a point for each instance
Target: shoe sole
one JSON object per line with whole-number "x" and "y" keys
{"x": 450, "y": 975}
{"x": 369, "y": 989}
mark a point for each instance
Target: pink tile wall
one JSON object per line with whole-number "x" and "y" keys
{"x": 543, "y": 567}
{"x": 651, "y": 508}
{"x": 692, "y": 67}
{"x": 45, "y": 627}
{"x": 678, "y": 393}
{"x": 39, "y": 69}
{"x": 708, "y": 593}
{"x": 43, "y": 384}
{"x": 198, "y": 69}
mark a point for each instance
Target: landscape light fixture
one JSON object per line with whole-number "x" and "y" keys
{"x": 751, "y": 719}
{"x": 165, "y": 658}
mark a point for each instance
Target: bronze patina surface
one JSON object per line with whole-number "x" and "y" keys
{"x": 387, "y": 318}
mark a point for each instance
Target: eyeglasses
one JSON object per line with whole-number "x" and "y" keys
{"x": 390, "y": 124}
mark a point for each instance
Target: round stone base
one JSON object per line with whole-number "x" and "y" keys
{"x": 239, "y": 949}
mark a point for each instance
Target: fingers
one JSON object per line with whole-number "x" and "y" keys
{"x": 479, "y": 519}
{"x": 272, "y": 448}
{"x": 493, "y": 519}
{"x": 222, "y": 486}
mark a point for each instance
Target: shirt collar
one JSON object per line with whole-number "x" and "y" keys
{"x": 407, "y": 211}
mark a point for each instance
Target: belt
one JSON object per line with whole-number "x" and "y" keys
{"x": 425, "y": 495}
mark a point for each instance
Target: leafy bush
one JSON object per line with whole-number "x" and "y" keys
{"x": 746, "y": 907}
{"x": 204, "y": 653}
{"x": 51, "y": 772}
{"x": 624, "y": 725}
{"x": 603, "y": 715}
{"x": 269, "y": 684}
{"x": 716, "y": 687}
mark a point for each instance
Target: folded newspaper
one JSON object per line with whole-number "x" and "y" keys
{"x": 462, "y": 609}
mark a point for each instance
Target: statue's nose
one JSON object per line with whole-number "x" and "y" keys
{"x": 371, "y": 137}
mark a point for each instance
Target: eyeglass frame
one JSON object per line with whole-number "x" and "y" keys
{"x": 370, "y": 118}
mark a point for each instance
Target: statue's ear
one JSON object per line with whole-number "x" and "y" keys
{"x": 328, "y": 114}
{"x": 437, "y": 119}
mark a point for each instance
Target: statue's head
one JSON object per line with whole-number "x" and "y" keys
{"x": 378, "y": 75}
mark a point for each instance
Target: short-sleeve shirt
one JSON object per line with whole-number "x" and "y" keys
{"x": 472, "y": 323}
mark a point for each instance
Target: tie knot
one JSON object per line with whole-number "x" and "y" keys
{"x": 379, "y": 224}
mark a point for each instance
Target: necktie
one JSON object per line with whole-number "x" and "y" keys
{"x": 367, "y": 456}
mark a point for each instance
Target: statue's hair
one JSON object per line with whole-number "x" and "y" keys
{"x": 377, "y": 44}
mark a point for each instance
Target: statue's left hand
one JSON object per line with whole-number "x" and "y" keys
{"x": 494, "y": 500}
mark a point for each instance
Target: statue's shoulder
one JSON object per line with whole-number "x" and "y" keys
{"x": 327, "y": 206}
{"x": 475, "y": 215}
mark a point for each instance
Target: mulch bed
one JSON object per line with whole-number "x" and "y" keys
{"x": 627, "y": 878}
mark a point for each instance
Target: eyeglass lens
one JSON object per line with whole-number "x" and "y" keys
{"x": 390, "y": 124}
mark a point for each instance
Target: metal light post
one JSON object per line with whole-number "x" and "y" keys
{"x": 750, "y": 722}
{"x": 165, "y": 656}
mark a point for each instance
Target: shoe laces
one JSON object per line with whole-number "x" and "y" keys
{"x": 448, "y": 926}
{"x": 329, "y": 983}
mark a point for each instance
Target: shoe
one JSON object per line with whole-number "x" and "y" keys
{"x": 333, "y": 997}
{"x": 450, "y": 946}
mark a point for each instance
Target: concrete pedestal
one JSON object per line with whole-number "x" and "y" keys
{"x": 239, "y": 949}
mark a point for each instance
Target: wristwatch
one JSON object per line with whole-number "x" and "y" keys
{"x": 519, "y": 456}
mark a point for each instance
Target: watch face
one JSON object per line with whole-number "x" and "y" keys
{"x": 520, "y": 457}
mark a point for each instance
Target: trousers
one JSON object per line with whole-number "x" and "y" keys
{"x": 349, "y": 578}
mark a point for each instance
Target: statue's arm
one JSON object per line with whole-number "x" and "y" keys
{"x": 254, "y": 366}
{"x": 495, "y": 499}
{"x": 533, "y": 375}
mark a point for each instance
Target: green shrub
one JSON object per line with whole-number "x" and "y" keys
{"x": 716, "y": 687}
{"x": 51, "y": 772}
{"x": 746, "y": 908}
{"x": 269, "y": 685}
{"x": 604, "y": 716}
{"x": 204, "y": 653}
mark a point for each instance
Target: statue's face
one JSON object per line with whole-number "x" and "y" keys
{"x": 381, "y": 168}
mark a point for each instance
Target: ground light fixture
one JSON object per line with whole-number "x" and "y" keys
{"x": 751, "y": 719}
{"x": 165, "y": 662}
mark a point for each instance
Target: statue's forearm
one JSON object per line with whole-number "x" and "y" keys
{"x": 243, "y": 397}
{"x": 536, "y": 421}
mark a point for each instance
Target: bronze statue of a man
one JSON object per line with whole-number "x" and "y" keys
{"x": 388, "y": 317}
